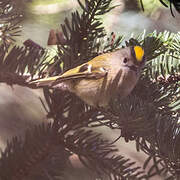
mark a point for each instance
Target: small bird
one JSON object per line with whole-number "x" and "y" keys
{"x": 102, "y": 78}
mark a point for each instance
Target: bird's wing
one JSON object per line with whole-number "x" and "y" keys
{"x": 83, "y": 71}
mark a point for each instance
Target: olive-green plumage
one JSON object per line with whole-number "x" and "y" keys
{"x": 101, "y": 78}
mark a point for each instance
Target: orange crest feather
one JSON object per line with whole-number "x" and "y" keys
{"x": 139, "y": 52}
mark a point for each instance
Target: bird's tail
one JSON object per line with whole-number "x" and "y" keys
{"x": 45, "y": 81}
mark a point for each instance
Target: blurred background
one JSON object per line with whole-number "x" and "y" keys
{"x": 42, "y": 15}
{"x": 21, "y": 108}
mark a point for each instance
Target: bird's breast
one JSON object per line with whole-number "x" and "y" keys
{"x": 98, "y": 92}
{"x": 127, "y": 81}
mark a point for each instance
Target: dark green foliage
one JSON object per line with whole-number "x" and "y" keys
{"x": 33, "y": 157}
{"x": 174, "y": 3}
{"x": 84, "y": 34}
{"x": 8, "y": 30}
{"x": 167, "y": 4}
{"x": 20, "y": 64}
{"x": 97, "y": 153}
{"x": 13, "y": 62}
{"x": 149, "y": 115}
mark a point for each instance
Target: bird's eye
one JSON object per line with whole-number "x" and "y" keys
{"x": 125, "y": 60}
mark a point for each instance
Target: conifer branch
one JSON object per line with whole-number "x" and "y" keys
{"x": 10, "y": 27}
{"x": 149, "y": 115}
{"x": 34, "y": 157}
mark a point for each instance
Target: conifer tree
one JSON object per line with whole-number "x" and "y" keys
{"x": 149, "y": 115}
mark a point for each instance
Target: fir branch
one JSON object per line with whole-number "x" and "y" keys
{"x": 83, "y": 34}
{"x": 149, "y": 115}
{"x": 10, "y": 27}
{"x": 22, "y": 64}
{"x": 150, "y": 109}
{"x": 67, "y": 118}
{"x": 95, "y": 153}
{"x": 15, "y": 79}
{"x": 67, "y": 110}
{"x": 130, "y": 118}
{"x": 31, "y": 158}
{"x": 166, "y": 3}
{"x": 167, "y": 63}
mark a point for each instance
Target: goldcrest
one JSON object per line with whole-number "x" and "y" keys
{"x": 100, "y": 79}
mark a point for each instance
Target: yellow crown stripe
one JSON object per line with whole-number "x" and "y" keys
{"x": 139, "y": 52}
